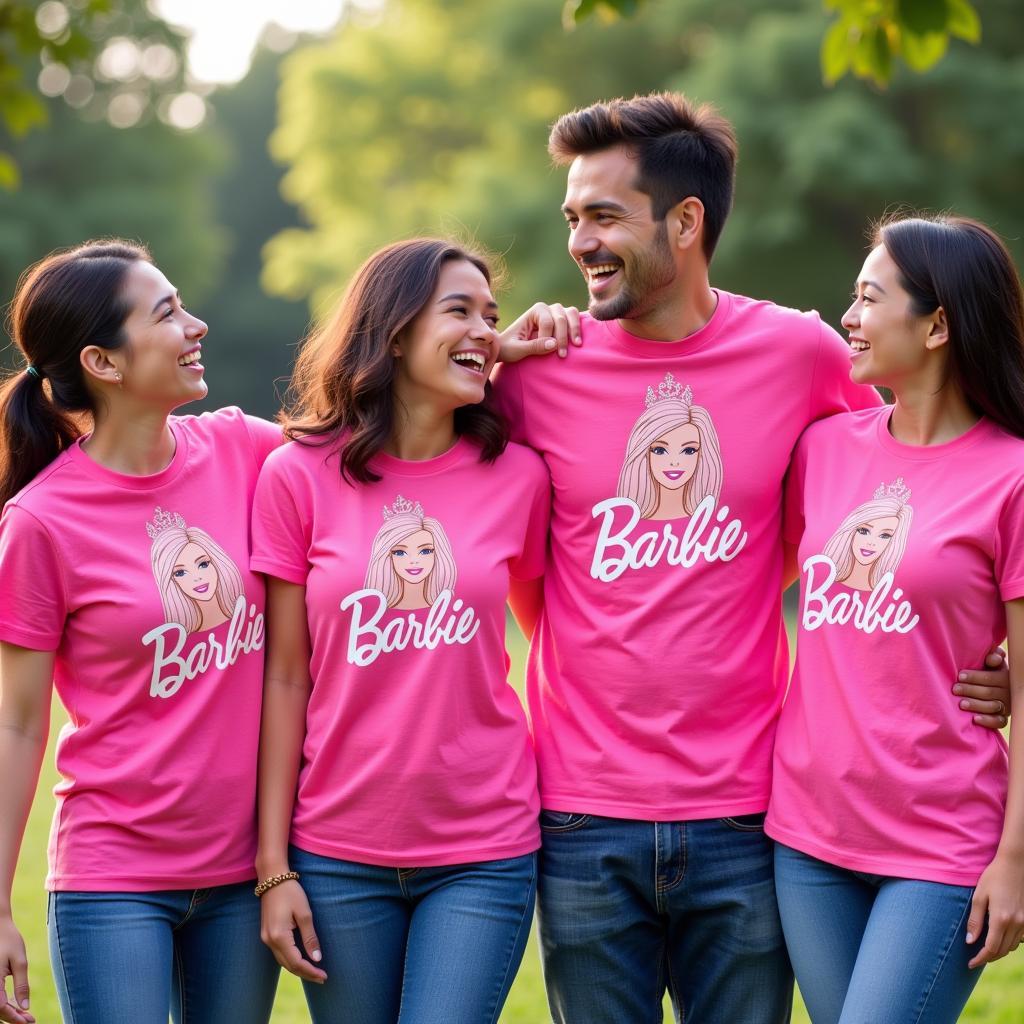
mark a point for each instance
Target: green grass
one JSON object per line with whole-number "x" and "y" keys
{"x": 999, "y": 998}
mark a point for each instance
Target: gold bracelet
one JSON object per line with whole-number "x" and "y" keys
{"x": 269, "y": 883}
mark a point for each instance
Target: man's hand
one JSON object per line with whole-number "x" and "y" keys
{"x": 986, "y": 693}
{"x": 541, "y": 330}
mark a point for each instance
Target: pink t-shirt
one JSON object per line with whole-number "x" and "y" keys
{"x": 659, "y": 665}
{"x": 907, "y": 554}
{"x": 141, "y": 586}
{"x": 417, "y": 751}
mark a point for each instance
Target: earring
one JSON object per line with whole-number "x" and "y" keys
{"x": 118, "y": 378}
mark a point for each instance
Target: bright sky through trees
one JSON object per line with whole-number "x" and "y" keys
{"x": 225, "y": 33}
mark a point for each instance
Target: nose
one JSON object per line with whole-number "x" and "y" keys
{"x": 851, "y": 318}
{"x": 582, "y": 240}
{"x": 483, "y": 330}
{"x": 197, "y": 328}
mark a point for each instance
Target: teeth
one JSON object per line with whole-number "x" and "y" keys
{"x": 473, "y": 359}
{"x": 859, "y": 346}
{"x": 601, "y": 268}
{"x": 192, "y": 357}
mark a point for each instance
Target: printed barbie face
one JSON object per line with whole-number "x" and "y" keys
{"x": 673, "y": 456}
{"x": 195, "y": 573}
{"x": 870, "y": 539}
{"x": 413, "y": 557}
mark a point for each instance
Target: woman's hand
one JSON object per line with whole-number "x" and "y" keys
{"x": 13, "y": 964}
{"x": 285, "y": 909}
{"x": 541, "y": 330}
{"x": 1000, "y": 897}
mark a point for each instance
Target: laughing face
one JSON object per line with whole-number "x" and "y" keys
{"x": 870, "y": 539}
{"x": 673, "y": 456}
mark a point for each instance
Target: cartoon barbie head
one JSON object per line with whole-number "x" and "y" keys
{"x": 672, "y": 459}
{"x": 871, "y": 540}
{"x": 198, "y": 582}
{"x": 411, "y": 561}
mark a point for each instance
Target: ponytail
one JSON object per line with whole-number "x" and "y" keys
{"x": 68, "y": 301}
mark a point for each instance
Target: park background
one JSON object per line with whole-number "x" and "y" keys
{"x": 259, "y": 195}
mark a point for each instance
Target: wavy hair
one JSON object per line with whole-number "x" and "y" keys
{"x": 380, "y": 573}
{"x": 178, "y": 606}
{"x": 636, "y": 481}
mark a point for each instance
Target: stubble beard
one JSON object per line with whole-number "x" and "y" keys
{"x": 652, "y": 269}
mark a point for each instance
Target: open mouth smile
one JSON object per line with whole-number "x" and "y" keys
{"x": 475, "y": 361}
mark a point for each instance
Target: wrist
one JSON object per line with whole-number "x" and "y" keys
{"x": 271, "y": 864}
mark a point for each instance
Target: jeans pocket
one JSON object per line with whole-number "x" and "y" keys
{"x": 745, "y": 822}
{"x": 562, "y": 821}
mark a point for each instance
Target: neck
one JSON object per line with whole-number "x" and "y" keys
{"x": 924, "y": 414}
{"x": 421, "y": 431}
{"x": 139, "y": 444}
{"x": 677, "y": 311}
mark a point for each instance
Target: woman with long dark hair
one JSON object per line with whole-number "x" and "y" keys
{"x": 124, "y": 583}
{"x": 900, "y": 829}
{"x": 398, "y": 801}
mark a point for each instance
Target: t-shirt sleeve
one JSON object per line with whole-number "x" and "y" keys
{"x": 793, "y": 494}
{"x": 1009, "y": 546}
{"x": 832, "y": 391}
{"x": 280, "y": 526}
{"x": 33, "y": 592}
{"x": 507, "y": 395}
{"x": 532, "y": 559}
{"x": 265, "y": 437}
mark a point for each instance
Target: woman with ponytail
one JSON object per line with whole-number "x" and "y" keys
{"x": 124, "y": 583}
{"x": 899, "y": 826}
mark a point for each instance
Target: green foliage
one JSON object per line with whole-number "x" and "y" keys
{"x": 868, "y": 35}
{"x": 61, "y": 43}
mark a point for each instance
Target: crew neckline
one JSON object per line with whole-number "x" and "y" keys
{"x": 150, "y": 481}
{"x": 928, "y": 452}
{"x": 382, "y": 462}
{"x": 647, "y": 348}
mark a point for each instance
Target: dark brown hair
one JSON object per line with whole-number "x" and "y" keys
{"x": 682, "y": 150}
{"x": 343, "y": 381}
{"x": 71, "y": 299}
{"x": 963, "y": 266}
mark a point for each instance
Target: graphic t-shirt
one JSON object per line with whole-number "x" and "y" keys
{"x": 417, "y": 751}
{"x": 907, "y": 555}
{"x": 141, "y": 586}
{"x": 660, "y": 661}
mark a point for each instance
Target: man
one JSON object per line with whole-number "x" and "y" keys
{"x": 658, "y": 659}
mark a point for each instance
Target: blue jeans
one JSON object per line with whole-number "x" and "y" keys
{"x": 870, "y": 948}
{"x": 628, "y": 908}
{"x": 416, "y": 945}
{"x": 137, "y": 956}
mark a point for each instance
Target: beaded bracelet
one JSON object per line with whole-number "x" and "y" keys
{"x": 269, "y": 883}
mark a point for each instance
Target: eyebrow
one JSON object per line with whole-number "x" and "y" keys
{"x": 466, "y": 298}
{"x": 601, "y": 204}
{"x": 873, "y": 284}
{"x": 166, "y": 298}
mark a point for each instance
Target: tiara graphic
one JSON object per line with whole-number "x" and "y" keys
{"x": 402, "y": 507}
{"x": 164, "y": 521}
{"x": 896, "y": 490}
{"x": 669, "y": 390}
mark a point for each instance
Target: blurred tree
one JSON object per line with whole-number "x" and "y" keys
{"x": 252, "y": 334}
{"x": 865, "y": 37}
{"x": 85, "y": 179}
{"x": 105, "y": 57}
{"x": 434, "y": 118}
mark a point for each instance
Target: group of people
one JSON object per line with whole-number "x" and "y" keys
{"x": 281, "y": 647}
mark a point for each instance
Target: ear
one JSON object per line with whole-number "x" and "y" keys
{"x": 100, "y": 366}
{"x": 686, "y": 223}
{"x": 938, "y": 332}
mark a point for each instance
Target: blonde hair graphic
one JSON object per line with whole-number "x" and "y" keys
{"x": 888, "y": 502}
{"x": 401, "y": 521}
{"x": 668, "y": 409}
{"x": 170, "y": 537}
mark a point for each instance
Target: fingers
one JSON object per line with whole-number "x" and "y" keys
{"x": 975, "y": 923}
{"x": 562, "y": 323}
{"x": 11, "y": 1014}
{"x": 310, "y": 943}
{"x": 284, "y": 913}
{"x": 996, "y": 658}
